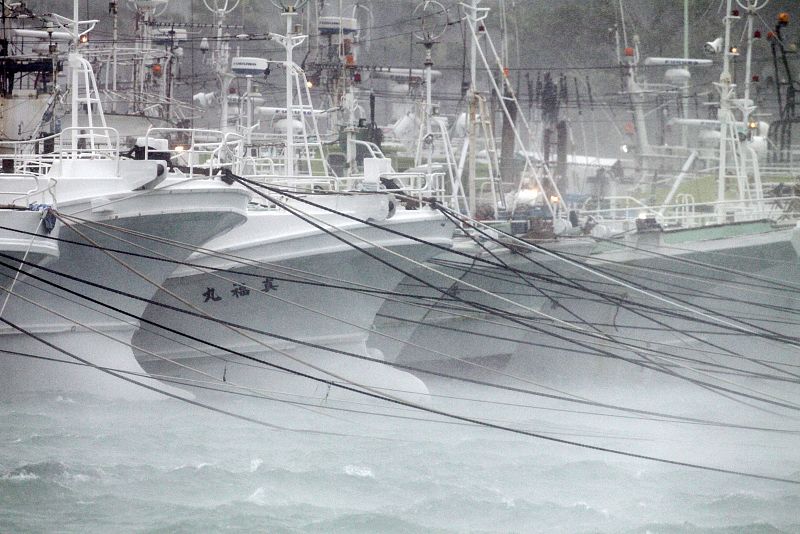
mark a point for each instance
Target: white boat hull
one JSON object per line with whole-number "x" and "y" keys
{"x": 23, "y": 238}
{"x": 312, "y": 321}
{"x": 707, "y": 294}
{"x": 456, "y": 337}
{"x": 52, "y": 308}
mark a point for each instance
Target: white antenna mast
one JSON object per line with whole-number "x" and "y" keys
{"x": 78, "y": 66}
{"x": 370, "y": 22}
{"x": 146, "y": 11}
{"x": 289, "y": 42}
{"x": 505, "y": 83}
{"x": 751, "y": 7}
{"x": 726, "y": 93}
{"x": 433, "y": 23}
{"x": 220, "y": 52}
{"x": 219, "y": 58}
{"x": 474, "y": 14}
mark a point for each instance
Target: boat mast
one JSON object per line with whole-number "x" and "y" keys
{"x": 113, "y": 10}
{"x": 472, "y": 116}
{"x": 752, "y": 7}
{"x": 289, "y": 14}
{"x": 74, "y": 88}
{"x": 685, "y": 90}
{"x": 629, "y": 62}
{"x": 220, "y": 54}
{"x": 428, "y": 101}
{"x": 725, "y": 88}
{"x": 289, "y": 41}
{"x": 433, "y": 23}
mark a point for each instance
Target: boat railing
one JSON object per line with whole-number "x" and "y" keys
{"x": 785, "y": 170}
{"x": 308, "y": 153}
{"x": 619, "y": 207}
{"x": 419, "y": 185}
{"x": 42, "y": 191}
{"x": 686, "y": 213}
{"x": 268, "y": 161}
{"x": 33, "y": 156}
{"x": 257, "y": 165}
{"x": 195, "y": 152}
{"x": 90, "y": 142}
{"x": 39, "y": 155}
{"x": 295, "y": 184}
{"x": 84, "y": 142}
{"x": 781, "y": 209}
{"x": 373, "y": 149}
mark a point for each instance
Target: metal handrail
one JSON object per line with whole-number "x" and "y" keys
{"x": 26, "y": 156}
{"x": 111, "y": 136}
{"x": 373, "y": 149}
{"x": 299, "y": 183}
{"x": 688, "y": 214}
{"x": 38, "y": 189}
{"x": 213, "y": 151}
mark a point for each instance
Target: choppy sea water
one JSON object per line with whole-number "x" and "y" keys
{"x": 71, "y": 463}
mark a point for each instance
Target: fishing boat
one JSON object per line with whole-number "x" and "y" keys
{"x": 692, "y": 279}
{"x": 70, "y": 320}
{"x": 136, "y": 82}
{"x": 28, "y": 230}
{"x": 466, "y": 311}
{"x": 294, "y": 291}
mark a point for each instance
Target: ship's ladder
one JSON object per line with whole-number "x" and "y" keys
{"x": 94, "y": 132}
{"x": 439, "y": 136}
{"x": 313, "y": 154}
{"x": 492, "y": 154}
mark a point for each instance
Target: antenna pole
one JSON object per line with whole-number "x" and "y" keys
{"x": 74, "y": 88}
{"x": 685, "y": 91}
{"x": 751, "y": 12}
{"x": 725, "y": 93}
{"x": 472, "y": 115}
{"x": 115, "y": 39}
{"x": 428, "y": 102}
{"x": 289, "y": 41}
{"x": 289, "y": 95}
